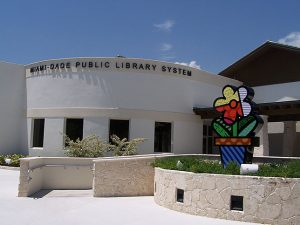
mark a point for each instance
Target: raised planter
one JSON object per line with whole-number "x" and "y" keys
{"x": 270, "y": 200}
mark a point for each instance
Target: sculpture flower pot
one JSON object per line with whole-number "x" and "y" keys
{"x": 235, "y": 149}
{"x": 232, "y": 154}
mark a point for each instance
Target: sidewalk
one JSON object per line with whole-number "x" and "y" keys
{"x": 52, "y": 209}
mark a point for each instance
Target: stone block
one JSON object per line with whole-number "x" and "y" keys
{"x": 208, "y": 183}
{"x": 269, "y": 211}
{"x": 283, "y": 192}
{"x": 222, "y": 183}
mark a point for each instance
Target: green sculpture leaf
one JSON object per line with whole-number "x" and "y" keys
{"x": 221, "y": 128}
{"x": 247, "y": 129}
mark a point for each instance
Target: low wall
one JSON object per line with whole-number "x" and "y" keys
{"x": 124, "y": 176}
{"x": 265, "y": 200}
{"x": 38, "y": 173}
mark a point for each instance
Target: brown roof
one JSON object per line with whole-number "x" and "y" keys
{"x": 270, "y": 63}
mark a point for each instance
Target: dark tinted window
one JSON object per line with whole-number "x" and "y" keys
{"x": 38, "y": 132}
{"x": 119, "y": 128}
{"x": 162, "y": 137}
{"x": 74, "y": 129}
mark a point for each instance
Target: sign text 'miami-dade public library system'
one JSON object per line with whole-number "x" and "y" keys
{"x": 106, "y": 65}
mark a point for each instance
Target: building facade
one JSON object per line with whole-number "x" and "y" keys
{"x": 170, "y": 105}
{"x": 127, "y": 97}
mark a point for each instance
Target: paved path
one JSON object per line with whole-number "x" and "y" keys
{"x": 84, "y": 210}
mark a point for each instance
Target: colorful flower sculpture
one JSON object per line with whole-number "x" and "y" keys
{"x": 237, "y": 126}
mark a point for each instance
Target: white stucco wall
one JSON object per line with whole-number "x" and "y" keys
{"x": 143, "y": 128}
{"x": 187, "y": 137}
{"x": 13, "y": 135}
{"x": 143, "y": 97}
{"x": 122, "y": 89}
{"x": 96, "y": 125}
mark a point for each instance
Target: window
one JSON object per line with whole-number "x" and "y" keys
{"x": 179, "y": 195}
{"x": 38, "y": 133}
{"x": 208, "y": 139}
{"x": 236, "y": 203}
{"x": 74, "y": 129}
{"x": 119, "y": 128}
{"x": 162, "y": 137}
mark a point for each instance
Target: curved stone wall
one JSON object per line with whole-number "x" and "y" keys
{"x": 265, "y": 200}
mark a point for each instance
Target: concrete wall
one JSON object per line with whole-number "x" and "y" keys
{"x": 13, "y": 109}
{"x": 119, "y": 177}
{"x": 112, "y": 176}
{"x": 265, "y": 200}
{"x": 54, "y": 173}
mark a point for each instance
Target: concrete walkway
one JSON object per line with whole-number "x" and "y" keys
{"x": 50, "y": 208}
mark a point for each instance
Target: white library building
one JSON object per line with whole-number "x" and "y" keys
{"x": 168, "y": 104}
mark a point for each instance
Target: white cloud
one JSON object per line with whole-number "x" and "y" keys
{"x": 166, "y": 47}
{"x": 191, "y": 64}
{"x": 165, "y": 26}
{"x": 291, "y": 39}
{"x": 168, "y": 57}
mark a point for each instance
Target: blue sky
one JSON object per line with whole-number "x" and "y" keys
{"x": 210, "y": 34}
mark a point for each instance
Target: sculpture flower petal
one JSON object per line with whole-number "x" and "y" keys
{"x": 232, "y": 104}
{"x": 246, "y": 107}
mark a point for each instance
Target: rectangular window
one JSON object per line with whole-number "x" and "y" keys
{"x": 179, "y": 195}
{"x": 236, "y": 203}
{"x": 74, "y": 129}
{"x": 162, "y": 137}
{"x": 38, "y": 133}
{"x": 119, "y": 128}
{"x": 208, "y": 138}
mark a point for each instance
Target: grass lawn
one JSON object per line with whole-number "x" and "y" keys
{"x": 197, "y": 164}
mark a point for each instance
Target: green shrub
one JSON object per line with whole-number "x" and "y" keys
{"x": 2, "y": 160}
{"x": 15, "y": 159}
{"x": 89, "y": 147}
{"x": 197, "y": 164}
{"x": 93, "y": 147}
{"x": 290, "y": 169}
{"x": 122, "y": 147}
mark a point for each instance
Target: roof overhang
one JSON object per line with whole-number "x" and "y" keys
{"x": 276, "y": 111}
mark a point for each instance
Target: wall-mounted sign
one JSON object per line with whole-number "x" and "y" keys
{"x": 237, "y": 126}
{"x": 107, "y": 65}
